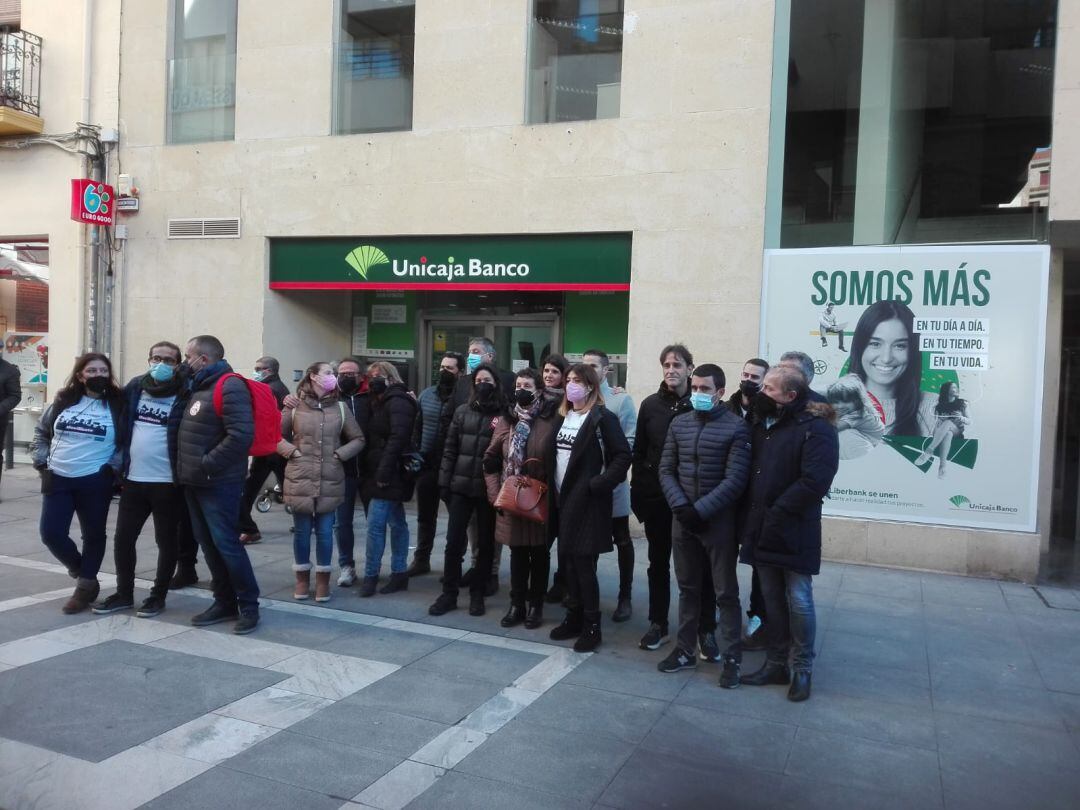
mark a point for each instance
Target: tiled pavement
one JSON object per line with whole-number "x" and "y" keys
{"x": 929, "y": 691}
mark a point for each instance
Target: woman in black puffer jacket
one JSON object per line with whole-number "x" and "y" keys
{"x": 462, "y": 488}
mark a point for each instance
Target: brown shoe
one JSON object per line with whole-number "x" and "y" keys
{"x": 250, "y": 539}
{"x": 86, "y": 591}
{"x": 303, "y": 585}
{"x": 322, "y": 586}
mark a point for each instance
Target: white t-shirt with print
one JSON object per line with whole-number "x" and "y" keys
{"x": 84, "y": 439}
{"x": 150, "y": 441}
{"x": 564, "y": 443}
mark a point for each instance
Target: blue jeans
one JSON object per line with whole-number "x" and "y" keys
{"x": 324, "y": 540}
{"x": 789, "y": 604}
{"x": 381, "y": 514}
{"x": 215, "y": 519}
{"x": 87, "y": 496}
{"x": 343, "y": 520}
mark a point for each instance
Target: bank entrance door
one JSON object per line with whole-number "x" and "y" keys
{"x": 520, "y": 341}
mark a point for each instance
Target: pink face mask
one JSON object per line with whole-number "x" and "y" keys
{"x": 576, "y": 392}
{"x": 328, "y": 382}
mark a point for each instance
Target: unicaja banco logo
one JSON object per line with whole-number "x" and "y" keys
{"x": 958, "y": 500}
{"x": 365, "y": 257}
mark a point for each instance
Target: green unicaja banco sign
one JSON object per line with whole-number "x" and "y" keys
{"x": 595, "y": 261}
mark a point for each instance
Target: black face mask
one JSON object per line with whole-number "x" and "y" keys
{"x": 446, "y": 379}
{"x": 377, "y": 385}
{"x": 347, "y": 385}
{"x": 97, "y": 385}
{"x": 766, "y": 407}
{"x": 749, "y": 388}
{"x": 485, "y": 391}
{"x": 524, "y": 398}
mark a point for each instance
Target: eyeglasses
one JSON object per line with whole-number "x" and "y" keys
{"x": 169, "y": 361}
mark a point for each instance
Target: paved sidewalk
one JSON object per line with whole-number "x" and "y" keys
{"x": 929, "y": 691}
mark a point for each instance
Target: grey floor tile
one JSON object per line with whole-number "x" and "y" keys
{"x": 584, "y": 710}
{"x": 221, "y": 788}
{"x": 650, "y": 780}
{"x": 493, "y": 664}
{"x": 465, "y": 791}
{"x": 767, "y": 702}
{"x": 798, "y": 793}
{"x": 321, "y": 766}
{"x": 310, "y": 632}
{"x": 972, "y": 592}
{"x": 878, "y": 605}
{"x": 859, "y": 650}
{"x": 881, "y": 582}
{"x": 866, "y": 765}
{"x": 370, "y": 727}
{"x": 629, "y": 672}
{"x": 860, "y": 623}
{"x": 1069, "y": 706}
{"x": 998, "y": 697}
{"x": 871, "y": 719}
{"x": 39, "y": 618}
{"x": 136, "y": 692}
{"x": 571, "y": 765}
{"x": 16, "y": 582}
{"x": 384, "y": 644}
{"x": 430, "y": 695}
{"x": 738, "y": 740}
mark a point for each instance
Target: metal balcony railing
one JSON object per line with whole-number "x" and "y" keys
{"x": 20, "y": 71}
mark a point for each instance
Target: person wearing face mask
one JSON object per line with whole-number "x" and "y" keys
{"x": 464, "y": 491}
{"x": 76, "y": 449}
{"x": 318, "y": 436}
{"x": 794, "y": 456}
{"x": 741, "y": 404}
{"x": 432, "y": 422}
{"x": 553, "y": 371}
{"x": 385, "y": 484}
{"x": 352, "y": 385}
{"x": 154, "y": 406}
{"x": 266, "y": 372}
{"x": 520, "y": 446}
{"x": 588, "y": 457}
{"x": 10, "y": 396}
{"x": 703, "y": 472}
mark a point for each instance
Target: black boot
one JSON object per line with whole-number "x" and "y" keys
{"x": 476, "y": 604}
{"x": 420, "y": 565}
{"x": 367, "y": 587}
{"x": 557, "y": 592}
{"x": 514, "y": 616}
{"x": 768, "y": 674}
{"x": 397, "y": 582}
{"x": 535, "y": 617}
{"x": 800, "y": 686}
{"x": 623, "y": 610}
{"x": 571, "y": 626}
{"x": 590, "y": 637}
{"x": 465, "y": 580}
{"x": 185, "y": 575}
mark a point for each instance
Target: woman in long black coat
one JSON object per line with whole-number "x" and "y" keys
{"x": 589, "y": 459}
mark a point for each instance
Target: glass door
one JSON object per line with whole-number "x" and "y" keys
{"x": 445, "y": 335}
{"x": 519, "y": 342}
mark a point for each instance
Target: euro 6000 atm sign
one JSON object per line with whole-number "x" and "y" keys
{"x": 545, "y": 262}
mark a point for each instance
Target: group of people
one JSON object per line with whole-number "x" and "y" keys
{"x": 715, "y": 479}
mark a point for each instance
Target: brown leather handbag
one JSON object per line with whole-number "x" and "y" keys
{"x": 524, "y": 497}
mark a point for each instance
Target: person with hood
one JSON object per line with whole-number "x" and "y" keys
{"x": 703, "y": 473}
{"x": 76, "y": 449}
{"x": 211, "y": 465}
{"x": 794, "y": 456}
{"x": 587, "y": 459}
{"x": 266, "y": 372}
{"x": 154, "y": 406}
{"x": 519, "y": 446}
{"x": 385, "y": 482}
{"x": 464, "y": 491}
{"x": 317, "y": 436}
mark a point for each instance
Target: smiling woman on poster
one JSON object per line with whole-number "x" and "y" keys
{"x": 885, "y": 355}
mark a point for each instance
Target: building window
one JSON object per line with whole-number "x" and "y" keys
{"x": 908, "y": 121}
{"x": 374, "y": 66}
{"x": 575, "y": 60}
{"x": 202, "y": 71}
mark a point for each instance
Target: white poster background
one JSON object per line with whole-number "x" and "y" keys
{"x": 1004, "y": 399}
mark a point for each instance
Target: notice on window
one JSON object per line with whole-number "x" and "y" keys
{"x": 921, "y": 351}
{"x": 388, "y": 313}
{"x": 359, "y": 335}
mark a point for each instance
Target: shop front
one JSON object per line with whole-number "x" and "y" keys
{"x": 413, "y": 298}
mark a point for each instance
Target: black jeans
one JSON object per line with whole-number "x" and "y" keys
{"x": 427, "y": 512}
{"x": 624, "y": 547}
{"x": 461, "y": 510}
{"x": 695, "y": 556}
{"x": 261, "y": 467}
{"x": 582, "y": 588}
{"x": 528, "y": 574}
{"x": 138, "y": 502}
{"x": 757, "y": 601}
{"x": 658, "y": 527}
{"x": 187, "y": 547}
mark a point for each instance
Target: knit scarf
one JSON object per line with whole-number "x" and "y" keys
{"x": 160, "y": 390}
{"x": 518, "y": 439}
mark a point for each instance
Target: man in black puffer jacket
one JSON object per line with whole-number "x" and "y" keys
{"x": 211, "y": 464}
{"x": 795, "y": 456}
{"x": 703, "y": 473}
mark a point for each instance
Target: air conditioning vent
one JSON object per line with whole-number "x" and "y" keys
{"x": 219, "y": 228}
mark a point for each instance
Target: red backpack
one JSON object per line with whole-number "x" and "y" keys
{"x": 265, "y": 410}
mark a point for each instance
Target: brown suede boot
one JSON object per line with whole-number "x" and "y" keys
{"x": 322, "y": 586}
{"x": 303, "y": 585}
{"x": 86, "y": 591}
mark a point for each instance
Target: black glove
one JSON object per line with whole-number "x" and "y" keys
{"x": 689, "y": 519}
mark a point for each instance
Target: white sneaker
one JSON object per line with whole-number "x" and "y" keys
{"x": 347, "y": 577}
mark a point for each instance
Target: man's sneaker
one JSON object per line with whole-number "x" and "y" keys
{"x": 215, "y": 614}
{"x": 710, "y": 650}
{"x": 656, "y": 635}
{"x": 677, "y": 661}
{"x": 246, "y": 624}
{"x": 729, "y": 676}
{"x": 347, "y": 576}
{"x": 113, "y": 604}
{"x": 151, "y": 606}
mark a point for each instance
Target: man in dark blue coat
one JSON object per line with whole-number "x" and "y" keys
{"x": 794, "y": 458}
{"x": 212, "y": 463}
{"x": 703, "y": 472}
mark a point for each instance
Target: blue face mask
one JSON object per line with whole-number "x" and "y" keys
{"x": 701, "y": 401}
{"x": 259, "y": 376}
{"x": 162, "y": 372}
{"x": 475, "y": 361}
